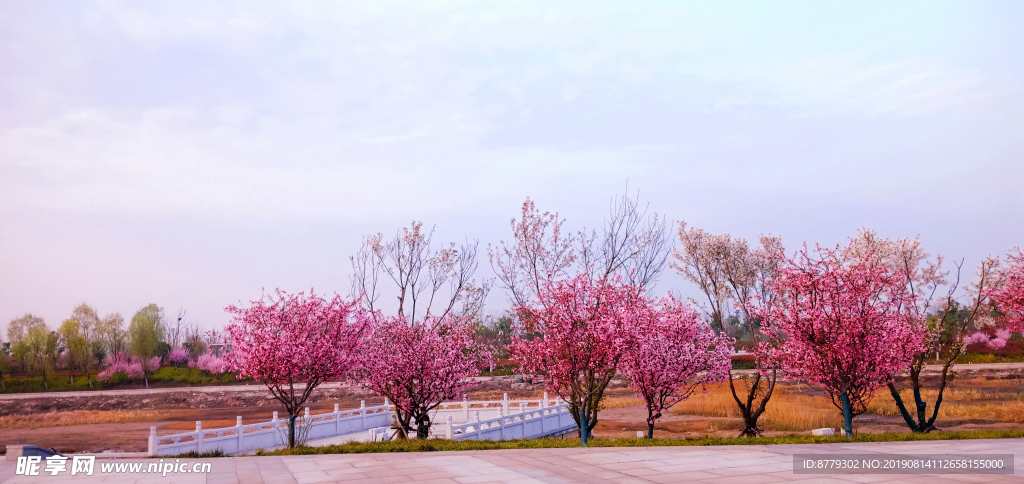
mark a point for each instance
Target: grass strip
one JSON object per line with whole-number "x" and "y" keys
{"x": 438, "y": 445}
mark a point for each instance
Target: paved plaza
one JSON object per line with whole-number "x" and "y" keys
{"x": 722, "y": 464}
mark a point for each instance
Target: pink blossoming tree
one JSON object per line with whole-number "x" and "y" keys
{"x": 293, "y": 343}
{"x": 847, "y": 325}
{"x": 673, "y": 352}
{"x": 1009, "y": 298}
{"x": 417, "y": 366}
{"x": 574, "y": 338}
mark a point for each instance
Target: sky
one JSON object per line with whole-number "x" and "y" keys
{"x": 194, "y": 154}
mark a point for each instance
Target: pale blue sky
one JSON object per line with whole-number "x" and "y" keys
{"x": 190, "y": 154}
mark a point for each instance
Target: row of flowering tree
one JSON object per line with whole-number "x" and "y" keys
{"x": 293, "y": 343}
{"x": 849, "y": 319}
{"x": 417, "y": 359}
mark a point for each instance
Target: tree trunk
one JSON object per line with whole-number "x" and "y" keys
{"x": 924, "y": 424}
{"x": 584, "y": 428}
{"x": 291, "y": 431}
{"x": 847, "y": 413}
{"x": 903, "y": 409}
{"x": 402, "y": 419}
{"x": 650, "y": 430}
{"x": 423, "y": 426}
{"x": 752, "y": 409}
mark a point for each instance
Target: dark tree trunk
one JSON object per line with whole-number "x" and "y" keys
{"x": 847, "y": 413}
{"x": 584, "y": 428}
{"x": 752, "y": 408}
{"x": 291, "y": 431}
{"x": 650, "y": 430}
{"x": 923, "y": 424}
{"x": 423, "y": 426}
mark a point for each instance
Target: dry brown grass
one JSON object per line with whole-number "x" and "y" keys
{"x": 1007, "y": 407}
{"x": 79, "y": 417}
{"x": 790, "y": 411}
{"x": 619, "y": 402}
{"x": 716, "y": 402}
{"x": 786, "y": 410}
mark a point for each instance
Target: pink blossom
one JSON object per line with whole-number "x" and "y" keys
{"x": 293, "y": 343}
{"x": 418, "y": 366}
{"x": 994, "y": 342}
{"x": 131, "y": 366}
{"x": 212, "y": 364}
{"x": 672, "y": 353}
{"x": 178, "y": 356}
{"x": 135, "y": 371}
{"x": 574, "y": 337}
{"x": 847, "y": 325}
{"x": 1009, "y": 298}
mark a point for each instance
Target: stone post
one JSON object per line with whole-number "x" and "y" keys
{"x": 153, "y": 441}
{"x": 199, "y": 436}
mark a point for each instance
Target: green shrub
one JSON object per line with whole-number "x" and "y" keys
{"x": 989, "y": 358}
{"x": 193, "y": 376}
{"x": 744, "y": 364}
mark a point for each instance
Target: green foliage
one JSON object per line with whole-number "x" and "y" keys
{"x": 988, "y": 358}
{"x": 40, "y": 351}
{"x": 180, "y": 376}
{"x": 35, "y": 384}
{"x": 434, "y": 445}
{"x": 744, "y": 364}
{"x": 192, "y": 376}
{"x": 146, "y": 332}
{"x": 18, "y": 329}
{"x": 497, "y": 335}
{"x": 76, "y": 344}
{"x": 111, "y": 336}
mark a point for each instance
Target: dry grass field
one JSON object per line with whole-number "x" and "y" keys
{"x": 79, "y": 417}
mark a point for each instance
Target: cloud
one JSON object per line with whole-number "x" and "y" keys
{"x": 254, "y": 144}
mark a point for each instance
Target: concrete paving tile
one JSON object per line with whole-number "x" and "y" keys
{"x": 625, "y": 465}
{"x": 377, "y": 480}
{"x": 308, "y": 473}
{"x": 428, "y": 475}
{"x": 641, "y": 472}
{"x": 737, "y": 471}
{"x": 868, "y": 478}
{"x": 681, "y": 476}
{"x": 225, "y": 479}
{"x": 973, "y": 477}
{"x": 490, "y": 477}
{"x": 319, "y": 479}
{"x": 276, "y": 479}
{"x": 747, "y": 479}
{"x": 345, "y": 472}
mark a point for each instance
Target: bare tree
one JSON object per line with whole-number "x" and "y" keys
{"x": 726, "y": 270}
{"x": 422, "y": 274}
{"x": 539, "y": 252}
{"x": 176, "y": 330}
{"x": 630, "y": 243}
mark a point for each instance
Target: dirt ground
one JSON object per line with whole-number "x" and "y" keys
{"x": 178, "y": 411}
